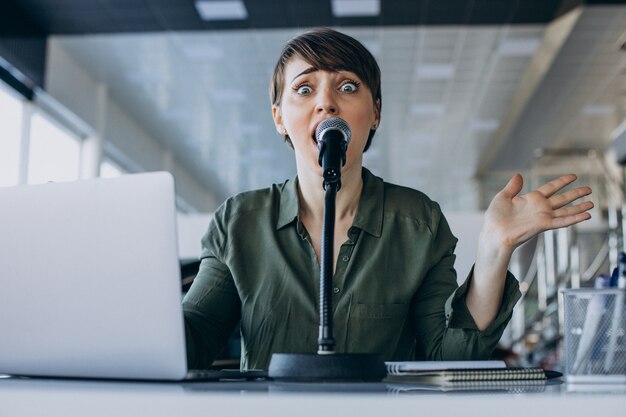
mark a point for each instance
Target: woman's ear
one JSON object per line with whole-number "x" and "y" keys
{"x": 278, "y": 120}
{"x": 376, "y": 114}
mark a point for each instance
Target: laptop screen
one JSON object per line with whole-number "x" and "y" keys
{"x": 90, "y": 280}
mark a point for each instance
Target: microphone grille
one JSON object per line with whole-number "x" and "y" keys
{"x": 334, "y": 123}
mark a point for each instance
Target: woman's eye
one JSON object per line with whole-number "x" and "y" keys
{"x": 304, "y": 90}
{"x": 349, "y": 88}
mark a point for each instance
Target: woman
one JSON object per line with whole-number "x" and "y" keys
{"x": 394, "y": 284}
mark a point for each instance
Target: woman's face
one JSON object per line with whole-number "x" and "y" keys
{"x": 310, "y": 96}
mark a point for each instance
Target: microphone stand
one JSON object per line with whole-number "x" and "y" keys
{"x": 327, "y": 365}
{"x": 326, "y": 339}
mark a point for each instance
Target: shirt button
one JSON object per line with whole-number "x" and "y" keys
{"x": 336, "y": 290}
{"x": 346, "y": 258}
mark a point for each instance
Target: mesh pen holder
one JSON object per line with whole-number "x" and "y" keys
{"x": 595, "y": 323}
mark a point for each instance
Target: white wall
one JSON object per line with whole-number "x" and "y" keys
{"x": 191, "y": 228}
{"x": 74, "y": 88}
{"x": 466, "y": 227}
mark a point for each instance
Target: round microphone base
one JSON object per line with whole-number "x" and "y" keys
{"x": 338, "y": 367}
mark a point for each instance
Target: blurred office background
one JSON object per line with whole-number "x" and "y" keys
{"x": 473, "y": 91}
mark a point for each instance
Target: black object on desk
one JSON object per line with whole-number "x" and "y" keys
{"x": 201, "y": 375}
{"x": 306, "y": 367}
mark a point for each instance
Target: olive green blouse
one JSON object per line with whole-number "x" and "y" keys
{"x": 394, "y": 288}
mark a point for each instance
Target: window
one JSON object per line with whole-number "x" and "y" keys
{"x": 54, "y": 153}
{"x": 10, "y": 137}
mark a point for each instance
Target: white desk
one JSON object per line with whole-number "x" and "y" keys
{"x": 65, "y": 398}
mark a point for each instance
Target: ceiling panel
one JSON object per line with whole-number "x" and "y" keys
{"x": 586, "y": 68}
{"x": 111, "y": 16}
{"x": 203, "y": 93}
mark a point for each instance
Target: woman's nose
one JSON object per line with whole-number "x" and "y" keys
{"x": 326, "y": 103}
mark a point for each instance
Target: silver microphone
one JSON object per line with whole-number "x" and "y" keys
{"x": 332, "y": 136}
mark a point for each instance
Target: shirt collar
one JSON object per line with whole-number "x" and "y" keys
{"x": 369, "y": 214}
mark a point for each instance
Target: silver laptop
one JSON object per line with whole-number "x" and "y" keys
{"x": 90, "y": 280}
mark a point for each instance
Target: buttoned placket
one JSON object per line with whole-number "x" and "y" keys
{"x": 343, "y": 262}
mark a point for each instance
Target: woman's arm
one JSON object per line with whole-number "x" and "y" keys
{"x": 211, "y": 312}
{"x": 445, "y": 329}
{"x": 510, "y": 221}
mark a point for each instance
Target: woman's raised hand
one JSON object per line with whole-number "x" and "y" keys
{"x": 512, "y": 219}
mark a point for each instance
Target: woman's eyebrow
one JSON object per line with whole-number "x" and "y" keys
{"x": 306, "y": 71}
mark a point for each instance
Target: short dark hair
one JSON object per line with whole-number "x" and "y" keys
{"x": 329, "y": 50}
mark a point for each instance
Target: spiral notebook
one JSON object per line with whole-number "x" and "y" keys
{"x": 446, "y": 372}
{"x": 512, "y": 387}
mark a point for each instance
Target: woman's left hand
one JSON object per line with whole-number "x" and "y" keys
{"x": 512, "y": 219}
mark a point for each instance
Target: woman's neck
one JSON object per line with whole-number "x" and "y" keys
{"x": 311, "y": 194}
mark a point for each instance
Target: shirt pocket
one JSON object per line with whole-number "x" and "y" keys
{"x": 376, "y": 327}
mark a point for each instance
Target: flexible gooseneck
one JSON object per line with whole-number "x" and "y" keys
{"x": 326, "y": 339}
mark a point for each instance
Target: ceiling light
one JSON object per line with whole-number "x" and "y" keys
{"x": 427, "y": 109}
{"x": 484, "y": 125}
{"x": 435, "y": 71}
{"x": 221, "y": 9}
{"x": 598, "y": 109}
{"x": 518, "y": 47}
{"x": 355, "y": 8}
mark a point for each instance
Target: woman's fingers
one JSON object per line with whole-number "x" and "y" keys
{"x": 560, "y": 222}
{"x": 570, "y": 211}
{"x": 567, "y": 197}
{"x": 555, "y": 185}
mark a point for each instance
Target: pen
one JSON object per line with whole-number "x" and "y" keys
{"x": 552, "y": 374}
{"x": 618, "y": 308}
{"x": 595, "y": 311}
